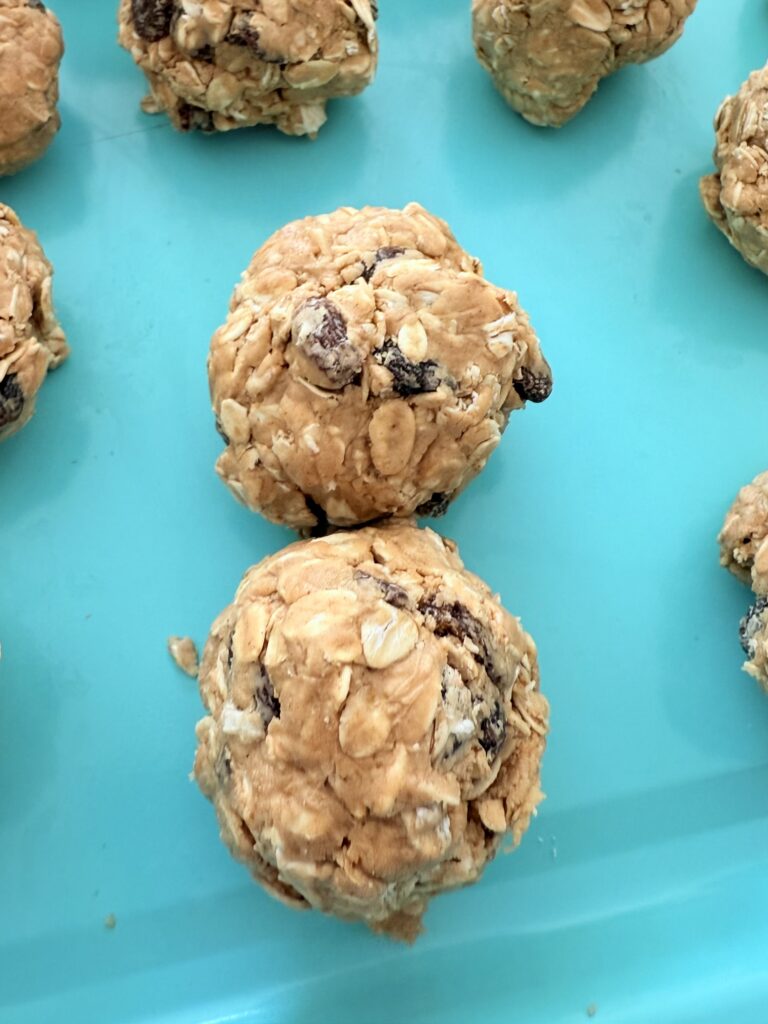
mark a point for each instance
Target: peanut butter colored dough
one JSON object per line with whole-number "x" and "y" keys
{"x": 736, "y": 196}
{"x": 548, "y": 56}
{"x": 31, "y": 48}
{"x": 375, "y": 724}
{"x": 31, "y": 339}
{"x": 216, "y": 65}
{"x": 366, "y": 369}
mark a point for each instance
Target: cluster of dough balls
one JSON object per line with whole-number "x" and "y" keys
{"x": 223, "y": 64}
{"x": 736, "y": 195}
{"x": 743, "y": 544}
{"x": 31, "y": 339}
{"x": 30, "y": 52}
{"x": 547, "y": 58}
{"x": 374, "y": 724}
{"x": 366, "y": 369}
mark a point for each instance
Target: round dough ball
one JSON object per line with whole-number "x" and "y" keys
{"x": 753, "y": 632}
{"x": 743, "y": 539}
{"x": 31, "y": 339}
{"x": 31, "y": 48}
{"x": 375, "y": 724}
{"x": 366, "y": 369}
{"x": 233, "y": 63}
{"x": 736, "y": 196}
{"x": 548, "y": 58}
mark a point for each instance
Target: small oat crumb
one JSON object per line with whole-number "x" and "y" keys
{"x": 183, "y": 651}
{"x": 110, "y": 921}
{"x": 592, "y": 1010}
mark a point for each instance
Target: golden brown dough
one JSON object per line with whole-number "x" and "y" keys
{"x": 374, "y": 724}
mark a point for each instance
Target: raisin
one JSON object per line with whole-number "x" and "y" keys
{"x": 242, "y": 33}
{"x": 493, "y": 732}
{"x": 532, "y": 387}
{"x": 391, "y": 593}
{"x": 435, "y": 506}
{"x": 320, "y": 333}
{"x": 152, "y": 18}
{"x": 387, "y": 252}
{"x": 223, "y": 766}
{"x": 375, "y": 9}
{"x": 267, "y": 704}
{"x": 221, "y": 432}
{"x": 191, "y": 117}
{"x": 11, "y": 400}
{"x": 456, "y": 620}
{"x": 206, "y": 54}
{"x": 36, "y": 5}
{"x": 408, "y": 378}
{"x": 751, "y": 625}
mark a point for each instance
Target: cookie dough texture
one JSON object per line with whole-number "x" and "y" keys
{"x": 743, "y": 544}
{"x": 736, "y": 195}
{"x": 31, "y": 48}
{"x": 216, "y": 65}
{"x": 374, "y": 725}
{"x": 548, "y": 56}
{"x": 31, "y": 339}
{"x": 366, "y": 369}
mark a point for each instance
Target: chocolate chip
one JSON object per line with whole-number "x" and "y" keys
{"x": 320, "y": 332}
{"x": 751, "y": 625}
{"x": 455, "y": 619}
{"x": 267, "y": 704}
{"x": 493, "y": 732}
{"x": 387, "y": 252}
{"x": 191, "y": 117}
{"x": 152, "y": 18}
{"x": 408, "y": 378}
{"x": 242, "y": 33}
{"x": 533, "y": 388}
{"x": 435, "y": 506}
{"x": 11, "y": 400}
{"x": 391, "y": 593}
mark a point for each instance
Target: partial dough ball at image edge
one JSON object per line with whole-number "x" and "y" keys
{"x": 366, "y": 369}
{"x": 224, "y": 65}
{"x": 735, "y": 196}
{"x": 31, "y": 48}
{"x": 32, "y": 341}
{"x": 547, "y": 59}
{"x": 375, "y": 726}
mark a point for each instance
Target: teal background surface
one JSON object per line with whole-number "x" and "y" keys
{"x": 642, "y": 887}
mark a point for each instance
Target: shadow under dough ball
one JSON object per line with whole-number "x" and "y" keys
{"x": 31, "y": 339}
{"x": 375, "y": 726}
{"x": 31, "y": 48}
{"x": 366, "y": 369}
{"x": 224, "y": 65}
{"x": 547, "y": 59}
{"x": 736, "y": 195}
{"x": 743, "y": 542}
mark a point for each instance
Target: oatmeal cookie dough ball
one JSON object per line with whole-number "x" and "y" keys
{"x": 547, "y": 58}
{"x": 736, "y": 195}
{"x": 374, "y": 724}
{"x": 221, "y": 64}
{"x": 743, "y": 539}
{"x": 31, "y": 48}
{"x": 31, "y": 339}
{"x": 366, "y": 369}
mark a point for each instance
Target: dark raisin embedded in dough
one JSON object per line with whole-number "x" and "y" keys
{"x": 320, "y": 333}
{"x": 455, "y": 619}
{"x": 391, "y": 593}
{"x": 152, "y": 18}
{"x": 191, "y": 118}
{"x": 267, "y": 704}
{"x": 751, "y": 625}
{"x": 387, "y": 252}
{"x": 435, "y": 506}
{"x": 207, "y": 54}
{"x": 532, "y": 387}
{"x": 223, "y": 766}
{"x": 36, "y": 5}
{"x": 375, "y": 9}
{"x": 243, "y": 33}
{"x": 11, "y": 400}
{"x": 408, "y": 378}
{"x": 493, "y": 732}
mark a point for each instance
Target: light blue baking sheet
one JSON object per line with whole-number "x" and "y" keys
{"x": 641, "y": 891}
